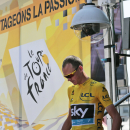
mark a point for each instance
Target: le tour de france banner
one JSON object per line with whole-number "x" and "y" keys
{"x": 35, "y": 38}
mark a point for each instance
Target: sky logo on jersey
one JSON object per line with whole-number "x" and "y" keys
{"x": 86, "y": 96}
{"x": 82, "y": 114}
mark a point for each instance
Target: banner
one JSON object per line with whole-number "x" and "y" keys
{"x": 37, "y": 10}
{"x": 35, "y": 38}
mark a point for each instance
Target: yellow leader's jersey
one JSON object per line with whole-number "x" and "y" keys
{"x": 87, "y": 104}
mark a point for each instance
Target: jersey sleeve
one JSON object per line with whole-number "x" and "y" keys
{"x": 69, "y": 94}
{"x": 103, "y": 96}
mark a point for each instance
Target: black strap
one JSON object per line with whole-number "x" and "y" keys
{"x": 106, "y": 60}
{"x": 109, "y": 46}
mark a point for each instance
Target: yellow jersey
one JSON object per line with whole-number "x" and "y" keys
{"x": 87, "y": 102}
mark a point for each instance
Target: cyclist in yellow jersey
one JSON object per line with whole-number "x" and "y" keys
{"x": 87, "y": 99}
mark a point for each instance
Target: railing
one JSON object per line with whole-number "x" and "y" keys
{"x": 119, "y": 102}
{"x": 125, "y": 125}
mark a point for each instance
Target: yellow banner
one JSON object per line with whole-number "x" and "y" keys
{"x": 22, "y": 23}
{"x": 33, "y": 12}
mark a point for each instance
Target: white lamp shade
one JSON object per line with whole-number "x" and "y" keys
{"x": 90, "y": 14}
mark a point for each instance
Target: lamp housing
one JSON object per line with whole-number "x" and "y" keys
{"x": 89, "y": 21}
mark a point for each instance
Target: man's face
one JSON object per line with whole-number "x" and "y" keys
{"x": 68, "y": 69}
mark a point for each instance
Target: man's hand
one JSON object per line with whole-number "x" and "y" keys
{"x": 67, "y": 124}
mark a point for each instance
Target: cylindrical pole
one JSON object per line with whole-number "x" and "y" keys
{"x": 113, "y": 62}
{"x": 108, "y": 73}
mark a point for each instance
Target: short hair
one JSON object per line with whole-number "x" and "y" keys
{"x": 75, "y": 61}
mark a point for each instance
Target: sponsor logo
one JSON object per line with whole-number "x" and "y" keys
{"x": 37, "y": 69}
{"x": 105, "y": 98}
{"x": 92, "y": 83}
{"x": 82, "y": 114}
{"x": 71, "y": 100}
{"x": 84, "y": 83}
{"x": 100, "y": 108}
{"x": 104, "y": 89}
{"x": 79, "y": 112}
{"x": 99, "y": 124}
{"x": 86, "y": 96}
{"x": 72, "y": 92}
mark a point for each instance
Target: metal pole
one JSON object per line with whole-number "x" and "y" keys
{"x": 113, "y": 62}
{"x": 108, "y": 77}
{"x": 107, "y": 54}
{"x": 128, "y": 77}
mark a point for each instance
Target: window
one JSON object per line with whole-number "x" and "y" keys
{"x": 122, "y": 91}
{"x": 125, "y": 109}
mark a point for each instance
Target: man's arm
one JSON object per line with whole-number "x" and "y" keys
{"x": 67, "y": 124}
{"x": 115, "y": 116}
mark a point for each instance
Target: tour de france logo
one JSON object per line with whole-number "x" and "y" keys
{"x": 34, "y": 72}
{"x": 38, "y": 76}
